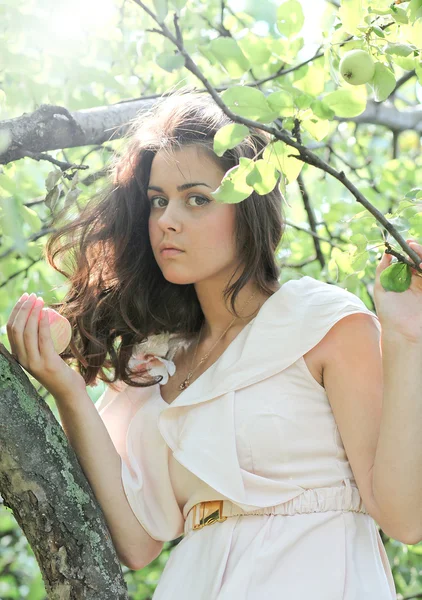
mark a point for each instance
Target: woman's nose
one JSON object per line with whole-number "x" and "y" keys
{"x": 169, "y": 216}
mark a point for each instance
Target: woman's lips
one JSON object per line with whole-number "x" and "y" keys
{"x": 168, "y": 252}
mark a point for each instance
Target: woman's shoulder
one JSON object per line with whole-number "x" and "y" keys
{"x": 311, "y": 290}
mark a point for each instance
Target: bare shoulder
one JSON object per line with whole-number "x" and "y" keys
{"x": 321, "y": 355}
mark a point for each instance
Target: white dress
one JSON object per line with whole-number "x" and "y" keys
{"x": 257, "y": 429}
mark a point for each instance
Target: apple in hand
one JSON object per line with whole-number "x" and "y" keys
{"x": 357, "y": 67}
{"x": 60, "y": 330}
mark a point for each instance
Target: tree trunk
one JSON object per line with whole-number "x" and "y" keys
{"x": 42, "y": 482}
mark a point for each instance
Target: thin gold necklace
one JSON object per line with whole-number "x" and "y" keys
{"x": 186, "y": 382}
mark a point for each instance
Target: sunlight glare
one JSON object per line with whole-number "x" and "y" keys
{"x": 79, "y": 19}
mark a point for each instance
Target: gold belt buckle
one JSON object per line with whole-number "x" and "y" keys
{"x": 210, "y": 512}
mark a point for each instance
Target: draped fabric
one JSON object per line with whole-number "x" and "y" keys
{"x": 257, "y": 429}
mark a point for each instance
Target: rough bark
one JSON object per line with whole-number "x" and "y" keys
{"x": 54, "y": 127}
{"x": 42, "y": 482}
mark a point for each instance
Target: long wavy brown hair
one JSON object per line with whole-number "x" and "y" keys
{"x": 117, "y": 294}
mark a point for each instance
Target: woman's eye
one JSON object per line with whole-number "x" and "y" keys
{"x": 152, "y": 200}
{"x": 204, "y": 200}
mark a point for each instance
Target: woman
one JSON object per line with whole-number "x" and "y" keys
{"x": 217, "y": 407}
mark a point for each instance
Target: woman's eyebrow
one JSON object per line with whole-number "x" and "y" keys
{"x": 180, "y": 188}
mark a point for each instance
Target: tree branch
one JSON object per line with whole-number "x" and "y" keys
{"x": 42, "y": 481}
{"x": 98, "y": 125}
{"x": 319, "y": 255}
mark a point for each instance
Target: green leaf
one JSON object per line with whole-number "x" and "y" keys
{"x": 178, "y": 4}
{"x": 304, "y": 101}
{"x": 403, "y": 205}
{"x": 71, "y": 197}
{"x": 378, "y": 31}
{"x": 398, "y": 49}
{"x": 321, "y": 110}
{"x": 383, "y": 82}
{"x": 53, "y": 196}
{"x": 248, "y": 102}
{"x": 414, "y": 193}
{"x": 345, "y": 103}
{"x": 277, "y": 153}
{"x": 318, "y": 129}
{"x": 343, "y": 260}
{"x": 379, "y": 11}
{"x": 52, "y": 178}
{"x": 229, "y": 136}
{"x": 205, "y": 51}
{"x": 359, "y": 260}
{"x": 286, "y": 49}
{"x": 405, "y": 62}
{"x": 418, "y": 69}
{"x": 263, "y": 177}
{"x": 170, "y": 61}
{"x": 161, "y": 9}
{"x": 399, "y": 15}
{"x": 255, "y": 49}
{"x": 297, "y": 74}
{"x": 233, "y": 188}
{"x": 11, "y": 222}
{"x": 314, "y": 81}
{"x": 30, "y": 216}
{"x": 290, "y": 18}
{"x": 282, "y": 102}
{"x": 227, "y": 51}
{"x": 8, "y": 184}
{"x": 332, "y": 60}
{"x": 414, "y": 10}
{"x": 359, "y": 240}
{"x": 396, "y": 277}
{"x": 351, "y": 13}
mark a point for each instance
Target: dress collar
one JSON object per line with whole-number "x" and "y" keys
{"x": 250, "y": 356}
{"x": 289, "y": 323}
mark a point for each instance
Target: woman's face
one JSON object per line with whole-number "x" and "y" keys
{"x": 190, "y": 218}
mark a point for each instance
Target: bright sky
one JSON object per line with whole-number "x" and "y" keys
{"x": 73, "y": 21}
{"x": 78, "y": 18}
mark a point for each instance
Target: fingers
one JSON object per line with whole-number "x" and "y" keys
{"x": 18, "y": 326}
{"x": 30, "y": 332}
{"x": 9, "y": 325}
{"x": 45, "y": 342}
{"x": 415, "y": 246}
{"x": 418, "y": 249}
{"x": 24, "y": 340}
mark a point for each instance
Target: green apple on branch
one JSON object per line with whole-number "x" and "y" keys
{"x": 357, "y": 67}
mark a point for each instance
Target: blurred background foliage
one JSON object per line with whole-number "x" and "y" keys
{"x": 83, "y": 55}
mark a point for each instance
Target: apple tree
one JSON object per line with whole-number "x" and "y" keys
{"x": 337, "y": 84}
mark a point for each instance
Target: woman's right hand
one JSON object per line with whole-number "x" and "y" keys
{"x": 32, "y": 346}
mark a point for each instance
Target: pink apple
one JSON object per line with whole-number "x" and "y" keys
{"x": 60, "y": 329}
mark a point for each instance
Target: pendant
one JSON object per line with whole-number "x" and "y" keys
{"x": 185, "y": 383}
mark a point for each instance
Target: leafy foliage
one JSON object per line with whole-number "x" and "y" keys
{"x": 276, "y": 65}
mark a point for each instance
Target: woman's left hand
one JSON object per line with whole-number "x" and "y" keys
{"x": 400, "y": 312}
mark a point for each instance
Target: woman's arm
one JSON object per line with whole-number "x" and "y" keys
{"x": 101, "y": 464}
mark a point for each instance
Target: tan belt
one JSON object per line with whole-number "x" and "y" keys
{"x": 217, "y": 511}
